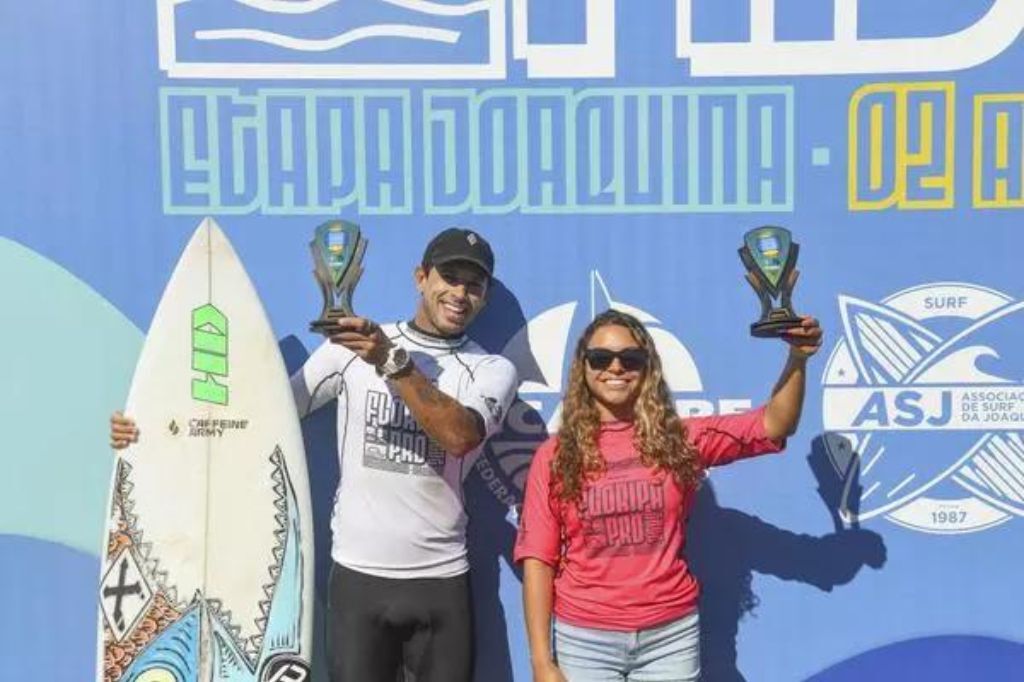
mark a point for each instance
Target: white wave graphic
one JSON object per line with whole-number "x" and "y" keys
{"x": 961, "y": 367}
{"x": 288, "y": 6}
{"x": 441, "y": 10}
{"x": 327, "y": 44}
{"x": 348, "y": 30}
{"x": 963, "y": 334}
{"x": 422, "y": 6}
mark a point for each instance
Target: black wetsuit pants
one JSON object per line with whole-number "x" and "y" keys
{"x": 392, "y": 630}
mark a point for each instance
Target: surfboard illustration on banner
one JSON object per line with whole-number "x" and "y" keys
{"x": 208, "y": 556}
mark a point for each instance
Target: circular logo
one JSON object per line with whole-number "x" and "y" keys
{"x": 923, "y": 405}
{"x": 286, "y": 669}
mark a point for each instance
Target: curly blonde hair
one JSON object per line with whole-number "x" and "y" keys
{"x": 659, "y": 437}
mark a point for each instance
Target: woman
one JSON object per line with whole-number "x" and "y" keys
{"x": 607, "y": 499}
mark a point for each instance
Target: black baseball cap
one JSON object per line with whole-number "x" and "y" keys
{"x": 459, "y": 244}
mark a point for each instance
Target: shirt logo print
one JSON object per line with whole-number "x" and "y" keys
{"x": 394, "y": 441}
{"x": 624, "y": 516}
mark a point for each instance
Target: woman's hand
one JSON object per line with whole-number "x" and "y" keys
{"x": 548, "y": 672}
{"x": 805, "y": 340}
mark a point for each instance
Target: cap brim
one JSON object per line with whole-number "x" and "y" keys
{"x": 464, "y": 259}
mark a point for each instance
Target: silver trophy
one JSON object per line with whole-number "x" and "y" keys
{"x": 337, "y": 247}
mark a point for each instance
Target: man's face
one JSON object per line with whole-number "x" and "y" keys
{"x": 452, "y": 295}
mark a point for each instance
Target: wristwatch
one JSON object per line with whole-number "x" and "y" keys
{"x": 395, "y": 363}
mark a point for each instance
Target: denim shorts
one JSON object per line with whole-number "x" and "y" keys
{"x": 666, "y": 653}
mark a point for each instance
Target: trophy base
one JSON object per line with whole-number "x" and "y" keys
{"x": 328, "y": 319}
{"x": 769, "y": 329}
{"x": 321, "y": 326}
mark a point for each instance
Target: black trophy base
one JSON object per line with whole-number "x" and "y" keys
{"x": 327, "y": 324}
{"x": 774, "y": 327}
{"x": 322, "y": 326}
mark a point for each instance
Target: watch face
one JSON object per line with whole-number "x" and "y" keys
{"x": 400, "y": 360}
{"x": 397, "y": 360}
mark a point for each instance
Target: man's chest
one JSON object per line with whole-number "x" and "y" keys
{"x": 383, "y": 434}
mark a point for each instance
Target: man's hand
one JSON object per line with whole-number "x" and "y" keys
{"x": 805, "y": 340}
{"x": 123, "y": 431}
{"x": 361, "y": 336}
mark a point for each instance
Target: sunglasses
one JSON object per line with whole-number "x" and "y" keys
{"x": 630, "y": 359}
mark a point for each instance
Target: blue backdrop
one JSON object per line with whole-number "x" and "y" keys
{"x": 614, "y": 153}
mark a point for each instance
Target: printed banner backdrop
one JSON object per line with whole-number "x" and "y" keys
{"x": 614, "y": 154}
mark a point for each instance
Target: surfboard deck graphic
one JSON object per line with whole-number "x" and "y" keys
{"x": 208, "y": 554}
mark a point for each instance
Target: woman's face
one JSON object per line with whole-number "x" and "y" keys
{"x": 614, "y": 368}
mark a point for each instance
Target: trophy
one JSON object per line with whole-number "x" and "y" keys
{"x": 337, "y": 249}
{"x": 769, "y": 254}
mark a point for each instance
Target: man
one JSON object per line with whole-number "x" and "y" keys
{"x": 415, "y": 402}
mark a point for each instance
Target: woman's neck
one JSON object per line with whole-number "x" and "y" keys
{"x": 615, "y": 413}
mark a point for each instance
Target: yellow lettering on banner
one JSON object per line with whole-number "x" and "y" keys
{"x": 998, "y": 151}
{"x": 899, "y": 164}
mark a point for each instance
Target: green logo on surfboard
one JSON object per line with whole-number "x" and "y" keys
{"x": 210, "y": 354}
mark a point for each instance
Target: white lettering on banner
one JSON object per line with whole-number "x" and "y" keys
{"x": 845, "y": 53}
{"x": 468, "y": 41}
{"x": 592, "y": 59}
{"x": 902, "y": 409}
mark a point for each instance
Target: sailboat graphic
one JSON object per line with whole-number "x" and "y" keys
{"x": 883, "y": 347}
{"x": 541, "y": 349}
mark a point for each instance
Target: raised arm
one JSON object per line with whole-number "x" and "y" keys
{"x": 782, "y": 413}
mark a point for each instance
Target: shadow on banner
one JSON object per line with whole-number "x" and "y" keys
{"x": 727, "y": 546}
